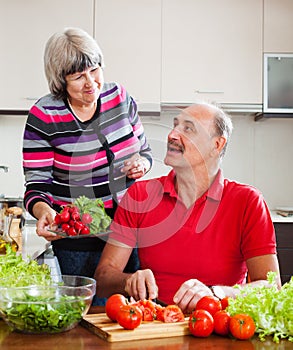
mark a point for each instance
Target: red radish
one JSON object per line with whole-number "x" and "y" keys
{"x": 86, "y": 218}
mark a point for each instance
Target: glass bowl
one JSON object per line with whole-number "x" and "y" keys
{"x": 76, "y": 281}
{"x": 47, "y": 309}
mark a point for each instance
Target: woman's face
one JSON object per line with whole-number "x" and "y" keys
{"x": 84, "y": 88}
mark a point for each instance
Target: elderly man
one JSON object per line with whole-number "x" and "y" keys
{"x": 193, "y": 228}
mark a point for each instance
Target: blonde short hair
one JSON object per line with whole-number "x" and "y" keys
{"x": 68, "y": 52}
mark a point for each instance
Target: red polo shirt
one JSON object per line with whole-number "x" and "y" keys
{"x": 210, "y": 241}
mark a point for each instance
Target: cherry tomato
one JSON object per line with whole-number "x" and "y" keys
{"x": 209, "y": 303}
{"x": 129, "y": 316}
{"x": 201, "y": 323}
{"x": 173, "y": 313}
{"x": 113, "y": 305}
{"x": 221, "y": 322}
{"x": 242, "y": 326}
{"x": 225, "y": 303}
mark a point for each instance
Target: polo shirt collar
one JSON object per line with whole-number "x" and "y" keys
{"x": 214, "y": 192}
{"x": 216, "y": 189}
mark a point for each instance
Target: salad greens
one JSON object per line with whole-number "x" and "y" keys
{"x": 101, "y": 221}
{"x": 43, "y": 314}
{"x": 270, "y": 308}
{"x": 14, "y": 271}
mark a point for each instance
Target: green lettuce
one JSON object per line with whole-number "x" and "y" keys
{"x": 270, "y": 308}
{"x": 15, "y": 271}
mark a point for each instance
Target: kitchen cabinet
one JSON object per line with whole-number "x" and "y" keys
{"x": 278, "y": 26}
{"x": 129, "y": 35}
{"x": 212, "y": 50}
{"x": 25, "y": 27}
{"x": 284, "y": 236}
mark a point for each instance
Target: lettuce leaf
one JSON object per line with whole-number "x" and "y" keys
{"x": 270, "y": 308}
{"x": 15, "y": 271}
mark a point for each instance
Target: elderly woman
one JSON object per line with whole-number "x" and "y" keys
{"x": 84, "y": 138}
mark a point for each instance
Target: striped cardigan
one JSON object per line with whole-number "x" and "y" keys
{"x": 64, "y": 158}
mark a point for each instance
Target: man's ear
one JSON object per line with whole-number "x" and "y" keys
{"x": 220, "y": 143}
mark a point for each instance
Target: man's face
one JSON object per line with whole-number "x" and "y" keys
{"x": 192, "y": 141}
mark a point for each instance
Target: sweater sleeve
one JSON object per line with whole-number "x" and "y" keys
{"x": 38, "y": 159}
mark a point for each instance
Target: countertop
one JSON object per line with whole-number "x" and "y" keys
{"x": 277, "y": 218}
{"x": 80, "y": 338}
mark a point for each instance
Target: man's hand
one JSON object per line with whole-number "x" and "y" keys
{"x": 189, "y": 293}
{"x": 142, "y": 285}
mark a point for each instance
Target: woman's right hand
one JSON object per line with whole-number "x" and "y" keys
{"x": 142, "y": 285}
{"x": 45, "y": 215}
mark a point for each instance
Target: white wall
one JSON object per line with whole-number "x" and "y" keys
{"x": 260, "y": 153}
{"x": 11, "y": 132}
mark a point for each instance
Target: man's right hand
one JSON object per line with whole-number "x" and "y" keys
{"x": 142, "y": 285}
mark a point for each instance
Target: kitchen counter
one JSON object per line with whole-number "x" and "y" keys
{"x": 80, "y": 338}
{"x": 277, "y": 218}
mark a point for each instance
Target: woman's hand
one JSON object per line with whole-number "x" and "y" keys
{"x": 189, "y": 293}
{"x": 136, "y": 166}
{"x": 45, "y": 215}
{"x": 142, "y": 285}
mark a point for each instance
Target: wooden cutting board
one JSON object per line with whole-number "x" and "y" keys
{"x": 102, "y": 326}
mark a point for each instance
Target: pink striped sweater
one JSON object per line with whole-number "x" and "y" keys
{"x": 64, "y": 158}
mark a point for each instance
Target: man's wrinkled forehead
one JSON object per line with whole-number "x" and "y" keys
{"x": 198, "y": 115}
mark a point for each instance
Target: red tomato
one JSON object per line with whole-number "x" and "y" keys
{"x": 225, "y": 303}
{"x": 210, "y": 304}
{"x": 221, "y": 322}
{"x": 129, "y": 316}
{"x": 160, "y": 312}
{"x": 242, "y": 326}
{"x": 173, "y": 313}
{"x": 201, "y": 323}
{"x": 148, "y": 309}
{"x": 113, "y": 305}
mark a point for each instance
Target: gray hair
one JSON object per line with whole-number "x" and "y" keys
{"x": 223, "y": 126}
{"x": 68, "y": 52}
